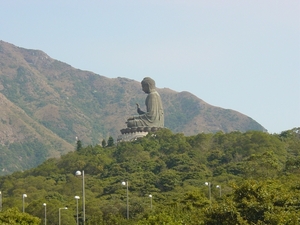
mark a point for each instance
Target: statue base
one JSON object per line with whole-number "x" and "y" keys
{"x": 131, "y": 136}
{"x": 133, "y": 133}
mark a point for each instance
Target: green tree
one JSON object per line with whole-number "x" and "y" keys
{"x": 266, "y": 201}
{"x": 78, "y": 145}
{"x": 224, "y": 213}
{"x": 103, "y": 143}
{"x": 110, "y": 142}
{"x": 168, "y": 179}
{"x": 263, "y": 166}
{"x": 13, "y": 216}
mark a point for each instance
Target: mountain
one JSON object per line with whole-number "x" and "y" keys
{"x": 46, "y": 104}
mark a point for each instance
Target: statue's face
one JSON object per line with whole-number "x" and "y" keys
{"x": 146, "y": 88}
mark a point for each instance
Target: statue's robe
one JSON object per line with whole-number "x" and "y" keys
{"x": 153, "y": 117}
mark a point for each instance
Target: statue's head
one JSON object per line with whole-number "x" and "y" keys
{"x": 148, "y": 84}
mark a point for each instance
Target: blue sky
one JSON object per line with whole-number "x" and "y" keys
{"x": 240, "y": 55}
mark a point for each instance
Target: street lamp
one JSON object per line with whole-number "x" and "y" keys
{"x": 0, "y": 201}
{"x": 219, "y": 186}
{"x": 24, "y": 196}
{"x": 59, "y": 214}
{"x": 78, "y": 173}
{"x": 209, "y": 191}
{"x": 77, "y": 197}
{"x": 45, "y": 205}
{"x": 150, "y": 196}
{"x": 126, "y": 183}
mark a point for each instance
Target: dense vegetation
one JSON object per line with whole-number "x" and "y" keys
{"x": 257, "y": 176}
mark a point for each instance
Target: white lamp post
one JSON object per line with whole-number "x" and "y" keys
{"x": 0, "y": 201}
{"x": 209, "y": 191}
{"x": 78, "y": 173}
{"x": 24, "y": 196}
{"x": 59, "y": 214}
{"x": 45, "y": 205}
{"x": 219, "y": 186}
{"x": 150, "y": 196}
{"x": 77, "y": 197}
{"x": 127, "y": 200}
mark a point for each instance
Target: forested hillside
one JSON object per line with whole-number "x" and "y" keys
{"x": 45, "y": 104}
{"x": 223, "y": 178}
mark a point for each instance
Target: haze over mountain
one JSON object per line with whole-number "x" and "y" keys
{"x": 45, "y": 104}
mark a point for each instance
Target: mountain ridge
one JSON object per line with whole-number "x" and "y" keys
{"x": 64, "y": 103}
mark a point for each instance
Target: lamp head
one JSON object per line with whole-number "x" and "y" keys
{"x": 78, "y": 173}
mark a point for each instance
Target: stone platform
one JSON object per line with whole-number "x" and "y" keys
{"x": 132, "y": 134}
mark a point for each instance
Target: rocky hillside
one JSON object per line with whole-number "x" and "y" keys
{"x": 45, "y": 104}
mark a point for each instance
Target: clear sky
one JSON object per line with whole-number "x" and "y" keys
{"x": 240, "y": 55}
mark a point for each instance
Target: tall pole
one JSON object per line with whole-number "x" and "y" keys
{"x": 83, "y": 197}
{"x": 209, "y": 188}
{"x": 59, "y": 214}
{"x": 45, "y": 205}
{"x": 78, "y": 173}
{"x": 77, "y": 197}
{"x": 209, "y": 191}
{"x": 150, "y": 196}
{"x": 77, "y": 211}
{"x": 219, "y": 186}
{"x": 0, "y": 201}
{"x": 127, "y": 199}
{"x": 23, "y": 204}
